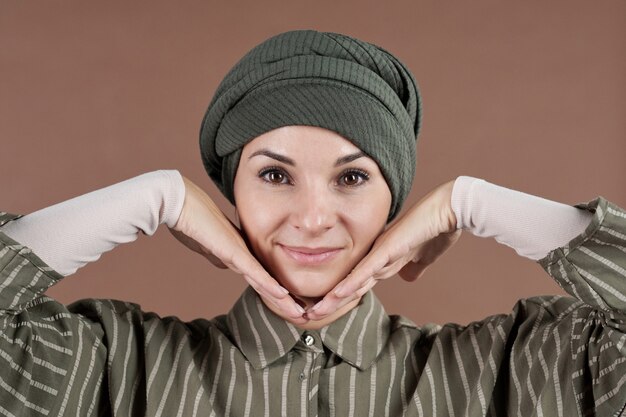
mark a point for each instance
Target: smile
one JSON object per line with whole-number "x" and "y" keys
{"x": 310, "y": 256}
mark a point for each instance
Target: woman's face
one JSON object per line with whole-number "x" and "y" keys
{"x": 311, "y": 204}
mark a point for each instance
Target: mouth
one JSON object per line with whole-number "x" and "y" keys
{"x": 310, "y": 256}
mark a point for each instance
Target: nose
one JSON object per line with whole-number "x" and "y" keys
{"x": 314, "y": 210}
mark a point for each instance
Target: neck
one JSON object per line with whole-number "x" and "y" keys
{"x": 310, "y": 302}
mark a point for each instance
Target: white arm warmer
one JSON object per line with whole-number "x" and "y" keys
{"x": 531, "y": 225}
{"x": 70, "y": 234}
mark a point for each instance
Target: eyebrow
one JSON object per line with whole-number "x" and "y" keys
{"x": 273, "y": 155}
{"x": 349, "y": 158}
{"x": 281, "y": 158}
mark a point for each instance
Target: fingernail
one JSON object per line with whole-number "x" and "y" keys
{"x": 300, "y": 309}
{"x": 316, "y": 306}
{"x": 283, "y": 290}
{"x": 339, "y": 290}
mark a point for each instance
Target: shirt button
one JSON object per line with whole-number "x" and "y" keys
{"x": 309, "y": 340}
{"x": 301, "y": 376}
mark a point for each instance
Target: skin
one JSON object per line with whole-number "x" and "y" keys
{"x": 311, "y": 205}
{"x": 295, "y": 195}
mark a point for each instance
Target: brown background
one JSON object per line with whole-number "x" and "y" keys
{"x": 527, "y": 95}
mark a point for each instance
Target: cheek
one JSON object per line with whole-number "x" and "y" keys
{"x": 367, "y": 218}
{"x": 259, "y": 219}
{"x": 364, "y": 230}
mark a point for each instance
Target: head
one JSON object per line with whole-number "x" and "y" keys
{"x": 310, "y": 204}
{"x": 281, "y": 138}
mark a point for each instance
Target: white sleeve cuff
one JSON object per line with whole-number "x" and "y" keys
{"x": 531, "y": 225}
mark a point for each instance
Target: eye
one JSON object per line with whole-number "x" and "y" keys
{"x": 353, "y": 178}
{"x": 274, "y": 176}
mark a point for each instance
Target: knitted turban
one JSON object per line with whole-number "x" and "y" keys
{"x": 329, "y": 80}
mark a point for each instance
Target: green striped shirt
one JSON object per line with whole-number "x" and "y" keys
{"x": 550, "y": 356}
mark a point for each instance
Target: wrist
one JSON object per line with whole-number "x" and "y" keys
{"x": 172, "y": 186}
{"x": 181, "y": 221}
{"x": 449, "y": 216}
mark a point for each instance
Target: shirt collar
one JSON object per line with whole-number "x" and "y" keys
{"x": 357, "y": 337}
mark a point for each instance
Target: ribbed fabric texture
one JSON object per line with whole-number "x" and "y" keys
{"x": 531, "y": 225}
{"x": 327, "y": 80}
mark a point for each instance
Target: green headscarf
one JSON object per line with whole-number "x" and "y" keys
{"x": 329, "y": 80}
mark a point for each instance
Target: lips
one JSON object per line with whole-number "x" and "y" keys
{"x": 310, "y": 256}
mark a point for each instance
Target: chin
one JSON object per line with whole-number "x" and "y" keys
{"x": 307, "y": 284}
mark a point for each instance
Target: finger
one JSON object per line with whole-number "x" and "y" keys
{"x": 389, "y": 270}
{"x": 288, "y": 308}
{"x": 364, "y": 270}
{"x": 247, "y": 265}
{"x": 369, "y": 284}
{"x": 299, "y": 321}
{"x": 242, "y": 262}
{"x": 265, "y": 283}
{"x": 285, "y": 303}
{"x": 328, "y": 305}
{"x": 357, "y": 283}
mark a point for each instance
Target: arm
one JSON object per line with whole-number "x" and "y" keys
{"x": 70, "y": 234}
{"x": 592, "y": 266}
{"x": 550, "y": 352}
{"x": 49, "y": 356}
{"x": 55, "y": 357}
{"x": 533, "y": 226}
{"x": 582, "y": 247}
{"x": 580, "y": 341}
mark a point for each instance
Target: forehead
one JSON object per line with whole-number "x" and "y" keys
{"x": 301, "y": 140}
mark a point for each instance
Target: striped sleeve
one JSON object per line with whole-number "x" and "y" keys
{"x": 92, "y": 357}
{"x": 572, "y": 351}
{"x": 51, "y": 360}
{"x": 24, "y": 275}
{"x": 583, "y": 343}
{"x": 552, "y": 355}
{"x": 592, "y": 266}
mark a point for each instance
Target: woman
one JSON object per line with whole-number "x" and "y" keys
{"x": 312, "y": 137}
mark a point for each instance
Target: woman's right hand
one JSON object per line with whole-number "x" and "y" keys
{"x": 204, "y": 229}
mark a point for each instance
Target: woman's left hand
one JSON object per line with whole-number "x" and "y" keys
{"x": 407, "y": 247}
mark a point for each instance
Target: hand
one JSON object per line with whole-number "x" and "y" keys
{"x": 203, "y": 228}
{"x": 407, "y": 247}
